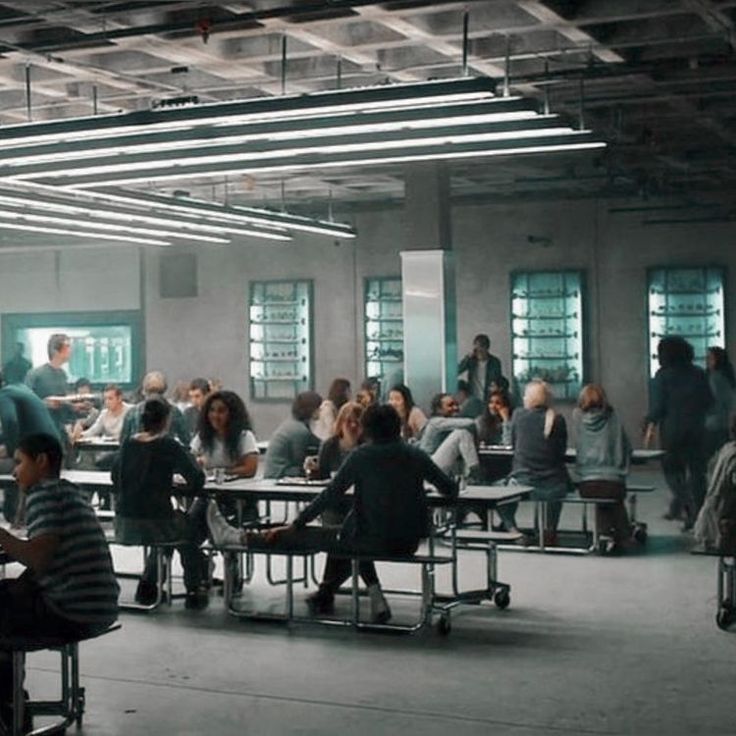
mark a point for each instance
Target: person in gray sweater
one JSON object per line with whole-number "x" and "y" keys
{"x": 602, "y": 462}
{"x": 293, "y": 440}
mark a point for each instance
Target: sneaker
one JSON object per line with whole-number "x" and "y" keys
{"x": 321, "y": 603}
{"x": 146, "y": 593}
{"x": 221, "y": 533}
{"x": 380, "y": 610}
{"x": 196, "y": 600}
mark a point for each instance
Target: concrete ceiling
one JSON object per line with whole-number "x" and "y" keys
{"x": 655, "y": 77}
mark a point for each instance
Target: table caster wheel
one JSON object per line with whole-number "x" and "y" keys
{"x": 502, "y": 599}
{"x": 444, "y": 626}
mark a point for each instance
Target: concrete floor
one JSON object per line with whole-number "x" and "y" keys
{"x": 589, "y": 645}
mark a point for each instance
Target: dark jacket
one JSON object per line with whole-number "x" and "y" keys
{"x": 538, "y": 459}
{"x": 389, "y": 510}
{"x": 289, "y": 445}
{"x": 494, "y": 374}
{"x": 679, "y": 399}
{"x": 143, "y": 476}
{"x": 177, "y": 427}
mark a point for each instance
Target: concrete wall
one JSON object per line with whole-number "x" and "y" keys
{"x": 207, "y": 335}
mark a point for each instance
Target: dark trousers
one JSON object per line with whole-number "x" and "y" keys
{"x": 611, "y": 519}
{"x": 337, "y": 569}
{"x": 25, "y": 612}
{"x": 684, "y": 465}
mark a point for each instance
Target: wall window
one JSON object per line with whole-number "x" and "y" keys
{"x": 107, "y": 347}
{"x": 280, "y": 339}
{"x": 688, "y": 302}
{"x": 384, "y": 330}
{"x": 547, "y": 330}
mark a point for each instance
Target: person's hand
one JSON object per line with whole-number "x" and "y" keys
{"x": 311, "y": 465}
{"x": 52, "y": 403}
{"x": 650, "y": 432}
{"x": 201, "y": 460}
{"x": 76, "y": 433}
{"x": 504, "y": 413}
{"x": 271, "y": 536}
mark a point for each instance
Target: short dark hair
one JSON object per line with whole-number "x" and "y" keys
{"x": 483, "y": 340}
{"x": 56, "y": 343}
{"x": 463, "y": 386}
{"x": 381, "y": 423}
{"x": 674, "y": 350}
{"x": 113, "y": 387}
{"x": 305, "y": 404}
{"x": 156, "y": 411}
{"x": 82, "y": 382}
{"x": 34, "y": 445}
{"x": 200, "y": 384}
{"x": 435, "y": 405}
{"x": 339, "y": 392}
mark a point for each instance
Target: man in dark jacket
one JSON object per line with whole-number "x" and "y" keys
{"x": 679, "y": 399}
{"x": 483, "y": 369}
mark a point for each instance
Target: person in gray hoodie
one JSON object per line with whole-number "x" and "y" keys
{"x": 602, "y": 461}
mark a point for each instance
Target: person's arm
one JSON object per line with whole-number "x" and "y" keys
{"x": 558, "y": 437}
{"x": 465, "y": 363}
{"x": 447, "y": 424}
{"x": 248, "y": 455}
{"x": 417, "y": 420}
{"x": 299, "y": 448}
{"x": 324, "y": 460}
{"x": 36, "y": 554}
{"x": 179, "y": 427}
{"x": 186, "y": 465}
{"x": 506, "y": 435}
{"x": 97, "y": 428}
{"x": 657, "y": 400}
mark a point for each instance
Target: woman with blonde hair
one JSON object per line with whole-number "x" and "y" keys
{"x": 602, "y": 459}
{"x": 539, "y": 438}
{"x": 337, "y": 396}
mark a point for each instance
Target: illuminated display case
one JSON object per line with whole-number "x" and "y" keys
{"x": 106, "y": 346}
{"x": 280, "y": 339}
{"x": 547, "y": 338}
{"x": 384, "y": 329}
{"x": 688, "y": 302}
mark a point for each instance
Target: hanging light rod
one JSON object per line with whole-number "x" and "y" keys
{"x": 313, "y": 104}
{"x": 34, "y": 228}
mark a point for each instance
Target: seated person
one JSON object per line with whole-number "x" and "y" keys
{"x": 22, "y": 413}
{"x": 494, "y": 428}
{"x": 338, "y": 394}
{"x": 715, "y": 527}
{"x": 86, "y": 409}
{"x": 388, "y": 515}
{"x": 198, "y": 390}
{"x": 602, "y": 462}
{"x": 143, "y": 478}
{"x": 469, "y": 405}
{"x": 539, "y": 438}
{"x": 448, "y": 438}
{"x": 154, "y": 386}
{"x": 68, "y": 589}
{"x": 293, "y": 439}
{"x": 412, "y": 417}
{"x": 109, "y": 422}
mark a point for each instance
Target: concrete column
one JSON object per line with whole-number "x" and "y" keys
{"x": 427, "y": 206}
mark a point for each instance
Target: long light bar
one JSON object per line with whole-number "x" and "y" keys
{"x": 29, "y": 227}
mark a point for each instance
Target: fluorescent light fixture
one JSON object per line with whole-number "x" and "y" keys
{"x": 29, "y": 227}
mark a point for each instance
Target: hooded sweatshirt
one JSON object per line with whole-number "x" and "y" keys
{"x": 603, "y": 449}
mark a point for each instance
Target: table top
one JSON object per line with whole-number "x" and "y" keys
{"x": 97, "y": 443}
{"x": 637, "y": 456}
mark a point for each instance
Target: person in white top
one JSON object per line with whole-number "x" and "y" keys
{"x": 109, "y": 422}
{"x": 338, "y": 394}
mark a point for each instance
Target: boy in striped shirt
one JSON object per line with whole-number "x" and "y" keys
{"x": 68, "y": 589}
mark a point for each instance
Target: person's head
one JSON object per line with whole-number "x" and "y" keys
{"x": 718, "y": 360}
{"x": 593, "y": 397}
{"x": 82, "y": 386}
{"x": 463, "y": 391}
{"x": 674, "y": 350}
{"x": 198, "y": 390}
{"x": 155, "y": 416}
{"x": 59, "y": 347}
{"x": 348, "y": 422}
{"x": 498, "y": 401}
{"x": 154, "y": 384}
{"x": 339, "y": 392}
{"x": 364, "y": 398}
{"x": 372, "y": 386}
{"x": 305, "y": 406}
{"x": 381, "y": 424}
{"x": 113, "y": 397}
{"x": 500, "y": 384}
{"x": 537, "y": 394}
{"x": 37, "y": 457}
{"x": 401, "y": 399}
{"x": 481, "y": 346}
{"x": 223, "y": 415}
{"x": 180, "y": 394}
{"x": 444, "y": 405}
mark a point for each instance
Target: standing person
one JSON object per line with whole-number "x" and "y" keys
{"x": 389, "y": 513}
{"x": 51, "y": 379}
{"x": 679, "y": 399}
{"x": 68, "y": 589}
{"x": 143, "y": 479}
{"x": 722, "y": 385}
{"x": 154, "y": 386}
{"x": 483, "y": 369}
{"x": 199, "y": 388}
{"x": 22, "y": 414}
{"x": 603, "y": 452}
{"x": 412, "y": 417}
{"x": 539, "y": 438}
{"x": 293, "y": 440}
{"x": 16, "y": 369}
{"x": 338, "y": 395}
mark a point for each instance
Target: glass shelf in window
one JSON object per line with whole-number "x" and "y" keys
{"x": 383, "y": 336}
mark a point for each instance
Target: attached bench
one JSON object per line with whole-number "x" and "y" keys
{"x": 429, "y": 604}
{"x": 71, "y": 703}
